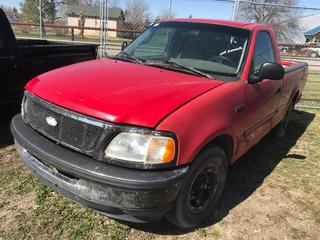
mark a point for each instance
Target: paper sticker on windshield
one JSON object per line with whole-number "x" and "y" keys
{"x": 230, "y": 51}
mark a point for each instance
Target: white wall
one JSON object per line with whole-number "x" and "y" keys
{"x": 95, "y": 23}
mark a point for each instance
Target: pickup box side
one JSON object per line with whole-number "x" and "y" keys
{"x": 294, "y": 70}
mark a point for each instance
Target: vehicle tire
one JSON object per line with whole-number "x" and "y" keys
{"x": 281, "y": 129}
{"x": 201, "y": 190}
{"x": 314, "y": 54}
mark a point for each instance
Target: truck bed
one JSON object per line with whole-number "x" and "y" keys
{"x": 23, "y": 59}
{"x": 295, "y": 70}
{"x": 289, "y": 64}
{"x": 40, "y": 56}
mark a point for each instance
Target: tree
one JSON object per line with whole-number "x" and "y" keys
{"x": 12, "y": 13}
{"x": 165, "y": 13}
{"x": 282, "y": 19}
{"x": 137, "y": 13}
{"x": 30, "y": 10}
{"x": 49, "y": 11}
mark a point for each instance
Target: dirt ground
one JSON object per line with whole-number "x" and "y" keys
{"x": 273, "y": 192}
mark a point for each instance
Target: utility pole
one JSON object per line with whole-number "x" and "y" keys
{"x": 103, "y": 27}
{"x": 106, "y": 29}
{"x": 170, "y": 8}
{"x": 236, "y": 6}
{"x": 40, "y": 20}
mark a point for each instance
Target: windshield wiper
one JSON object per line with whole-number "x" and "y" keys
{"x": 170, "y": 64}
{"x": 128, "y": 57}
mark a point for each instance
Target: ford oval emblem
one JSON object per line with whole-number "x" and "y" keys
{"x": 51, "y": 121}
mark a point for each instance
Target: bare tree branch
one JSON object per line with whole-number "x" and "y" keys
{"x": 137, "y": 13}
{"x": 276, "y": 16}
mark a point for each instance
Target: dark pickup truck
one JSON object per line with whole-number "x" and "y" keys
{"x": 23, "y": 59}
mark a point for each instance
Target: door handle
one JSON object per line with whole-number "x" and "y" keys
{"x": 239, "y": 109}
{"x": 278, "y": 90}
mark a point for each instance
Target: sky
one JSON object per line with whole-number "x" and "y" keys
{"x": 196, "y": 8}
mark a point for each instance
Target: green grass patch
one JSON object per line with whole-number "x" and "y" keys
{"x": 312, "y": 90}
{"x": 211, "y": 234}
{"x": 27, "y": 185}
{"x": 299, "y": 235}
{"x": 42, "y": 194}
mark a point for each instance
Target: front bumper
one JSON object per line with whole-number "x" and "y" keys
{"x": 122, "y": 193}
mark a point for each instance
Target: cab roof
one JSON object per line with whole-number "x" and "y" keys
{"x": 246, "y": 25}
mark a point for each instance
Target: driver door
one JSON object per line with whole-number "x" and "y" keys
{"x": 262, "y": 98}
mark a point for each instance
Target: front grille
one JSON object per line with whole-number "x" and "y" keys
{"x": 74, "y": 130}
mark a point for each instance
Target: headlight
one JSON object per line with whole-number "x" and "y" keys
{"x": 137, "y": 147}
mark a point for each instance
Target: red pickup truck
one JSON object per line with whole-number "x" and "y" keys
{"x": 151, "y": 132}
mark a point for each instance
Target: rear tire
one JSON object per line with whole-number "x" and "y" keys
{"x": 202, "y": 189}
{"x": 281, "y": 129}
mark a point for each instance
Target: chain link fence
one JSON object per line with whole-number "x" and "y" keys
{"x": 109, "y": 23}
{"x": 306, "y": 53}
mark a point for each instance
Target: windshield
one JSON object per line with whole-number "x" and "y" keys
{"x": 212, "y": 49}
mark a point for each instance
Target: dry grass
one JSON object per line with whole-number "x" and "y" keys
{"x": 273, "y": 192}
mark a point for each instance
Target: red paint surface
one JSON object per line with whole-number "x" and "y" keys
{"x": 196, "y": 109}
{"x": 118, "y": 91}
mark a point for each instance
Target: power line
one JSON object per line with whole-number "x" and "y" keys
{"x": 260, "y": 3}
{"x": 279, "y": 5}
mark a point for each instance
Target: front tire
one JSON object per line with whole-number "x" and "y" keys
{"x": 201, "y": 190}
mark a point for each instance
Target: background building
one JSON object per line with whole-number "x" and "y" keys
{"x": 92, "y": 19}
{"x": 307, "y": 27}
{"x": 313, "y": 36}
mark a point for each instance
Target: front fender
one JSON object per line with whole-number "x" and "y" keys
{"x": 204, "y": 118}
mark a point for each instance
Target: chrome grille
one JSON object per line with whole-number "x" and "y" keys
{"x": 73, "y": 130}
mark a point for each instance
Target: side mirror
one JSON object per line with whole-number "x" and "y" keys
{"x": 124, "y": 45}
{"x": 269, "y": 70}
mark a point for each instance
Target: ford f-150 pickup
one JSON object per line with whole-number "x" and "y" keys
{"x": 23, "y": 59}
{"x": 151, "y": 132}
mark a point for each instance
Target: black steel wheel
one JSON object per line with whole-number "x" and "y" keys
{"x": 201, "y": 190}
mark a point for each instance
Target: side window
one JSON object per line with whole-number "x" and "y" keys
{"x": 263, "y": 51}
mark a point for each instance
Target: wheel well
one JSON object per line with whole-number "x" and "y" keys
{"x": 295, "y": 98}
{"x": 225, "y": 142}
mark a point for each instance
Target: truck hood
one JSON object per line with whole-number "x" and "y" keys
{"x": 118, "y": 91}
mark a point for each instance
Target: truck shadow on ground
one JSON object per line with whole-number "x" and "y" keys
{"x": 7, "y": 113}
{"x": 246, "y": 175}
